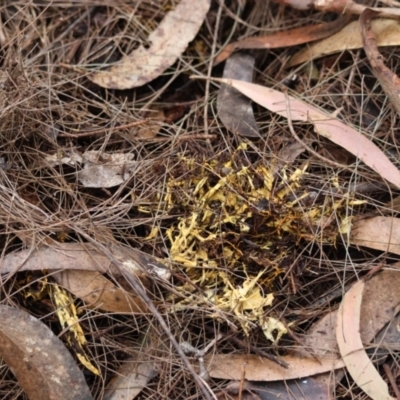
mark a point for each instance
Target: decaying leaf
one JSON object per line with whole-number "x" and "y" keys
{"x": 82, "y": 256}
{"x": 106, "y": 170}
{"x": 168, "y": 41}
{"x": 364, "y": 232}
{"x": 70, "y": 157}
{"x": 150, "y": 130}
{"x": 98, "y": 291}
{"x": 294, "y": 389}
{"x": 387, "y": 32}
{"x": 237, "y": 391}
{"x": 234, "y": 109}
{"x": 231, "y": 366}
{"x": 43, "y": 366}
{"x": 389, "y": 81}
{"x": 130, "y": 379}
{"x": 291, "y": 37}
{"x": 351, "y": 348}
{"x": 324, "y": 124}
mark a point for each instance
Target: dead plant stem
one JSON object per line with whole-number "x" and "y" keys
{"x": 210, "y": 66}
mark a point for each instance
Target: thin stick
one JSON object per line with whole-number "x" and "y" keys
{"x": 210, "y": 66}
{"x": 199, "y": 136}
{"x": 392, "y": 381}
{"x": 105, "y": 130}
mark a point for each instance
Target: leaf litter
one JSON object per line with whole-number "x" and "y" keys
{"x": 155, "y": 217}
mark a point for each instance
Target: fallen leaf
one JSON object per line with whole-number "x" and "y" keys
{"x": 387, "y": 32}
{"x": 98, "y": 291}
{"x": 237, "y": 391}
{"x": 152, "y": 128}
{"x": 231, "y": 366}
{"x": 294, "y": 389}
{"x": 324, "y": 124}
{"x": 291, "y": 37}
{"x": 380, "y": 298}
{"x": 234, "y": 109}
{"x": 43, "y": 366}
{"x": 69, "y": 157}
{"x": 389, "y": 81}
{"x": 130, "y": 379}
{"x": 168, "y": 41}
{"x": 82, "y": 256}
{"x": 320, "y": 339}
{"x": 289, "y": 153}
{"x": 106, "y": 170}
{"x": 380, "y": 233}
{"x": 351, "y": 348}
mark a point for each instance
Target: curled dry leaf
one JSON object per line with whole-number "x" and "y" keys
{"x": 42, "y": 364}
{"x": 97, "y": 291}
{"x": 387, "y": 32}
{"x": 351, "y": 348}
{"x": 234, "y": 109}
{"x": 168, "y": 41}
{"x": 389, "y": 81}
{"x": 324, "y": 124}
{"x": 364, "y": 232}
{"x": 291, "y": 37}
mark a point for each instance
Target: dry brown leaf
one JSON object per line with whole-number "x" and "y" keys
{"x": 351, "y": 348}
{"x": 387, "y": 32}
{"x": 106, "y": 170}
{"x": 130, "y": 379}
{"x": 324, "y": 124}
{"x": 152, "y": 128}
{"x": 97, "y": 291}
{"x": 380, "y": 299}
{"x": 296, "y": 389}
{"x": 231, "y": 366}
{"x": 234, "y": 109}
{"x": 168, "y": 41}
{"x": 82, "y": 256}
{"x": 291, "y": 37}
{"x": 389, "y": 81}
{"x": 320, "y": 339}
{"x": 43, "y": 366}
{"x": 380, "y": 233}
{"x": 237, "y": 391}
